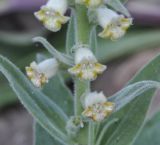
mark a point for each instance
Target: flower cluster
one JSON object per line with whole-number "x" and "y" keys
{"x": 85, "y": 65}
{"x": 114, "y": 25}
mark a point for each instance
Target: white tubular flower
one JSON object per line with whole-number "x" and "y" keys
{"x": 90, "y": 3}
{"x": 97, "y": 107}
{"x": 40, "y": 73}
{"x": 114, "y": 25}
{"x": 86, "y": 65}
{"x": 52, "y": 14}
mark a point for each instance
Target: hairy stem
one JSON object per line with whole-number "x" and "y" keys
{"x": 82, "y": 24}
{"x": 81, "y": 87}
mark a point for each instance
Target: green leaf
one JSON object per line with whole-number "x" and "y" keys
{"x": 150, "y": 132}
{"x": 56, "y": 54}
{"x": 71, "y": 37}
{"x": 93, "y": 40}
{"x": 118, "y": 6}
{"x": 130, "y": 92}
{"x": 45, "y": 111}
{"x": 131, "y": 117}
{"x": 62, "y": 96}
{"x": 58, "y": 92}
{"x": 43, "y": 138}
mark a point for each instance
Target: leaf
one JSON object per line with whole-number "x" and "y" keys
{"x": 130, "y": 92}
{"x": 62, "y": 96}
{"x": 58, "y": 92}
{"x": 132, "y": 115}
{"x": 93, "y": 40}
{"x": 118, "y": 6}
{"x": 71, "y": 37}
{"x": 46, "y": 112}
{"x": 135, "y": 40}
{"x": 150, "y": 132}
{"x": 43, "y": 138}
{"x": 56, "y": 54}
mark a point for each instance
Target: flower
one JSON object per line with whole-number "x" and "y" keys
{"x": 52, "y": 14}
{"x": 97, "y": 107}
{"x": 90, "y": 3}
{"x": 40, "y": 73}
{"x": 114, "y": 25}
{"x": 86, "y": 65}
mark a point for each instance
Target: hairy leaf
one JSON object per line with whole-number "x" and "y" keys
{"x": 118, "y": 6}
{"x": 127, "y": 94}
{"x": 56, "y": 54}
{"x": 43, "y": 138}
{"x": 93, "y": 40}
{"x": 71, "y": 37}
{"x": 45, "y": 111}
{"x": 150, "y": 132}
{"x": 131, "y": 117}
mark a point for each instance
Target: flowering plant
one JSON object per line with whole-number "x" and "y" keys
{"x": 84, "y": 117}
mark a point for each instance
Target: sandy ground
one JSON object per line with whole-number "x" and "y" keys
{"x": 16, "y": 123}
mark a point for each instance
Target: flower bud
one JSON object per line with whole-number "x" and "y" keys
{"x": 74, "y": 124}
{"x": 86, "y": 65}
{"x": 97, "y": 107}
{"x": 114, "y": 25}
{"x": 40, "y": 73}
{"x": 52, "y": 14}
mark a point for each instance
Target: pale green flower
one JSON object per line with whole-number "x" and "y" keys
{"x": 114, "y": 25}
{"x": 97, "y": 107}
{"x": 52, "y": 14}
{"x": 40, "y": 73}
{"x": 86, "y": 65}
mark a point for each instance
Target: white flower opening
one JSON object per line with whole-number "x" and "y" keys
{"x": 114, "y": 25}
{"x": 97, "y": 107}
{"x": 52, "y": 14}
{"x": 90, "y": 3}
{"x": 86, "y": 65}
{"x": 40, "y": 73}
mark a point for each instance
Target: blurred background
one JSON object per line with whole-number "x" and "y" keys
{"x": 124, "y": 57}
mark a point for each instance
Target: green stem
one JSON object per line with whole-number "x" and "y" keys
{"x": 83, "y": 32}
{"x": 91, "y": 134}
{"x": 81, "y": 87}
{"x": 83, "y": 25}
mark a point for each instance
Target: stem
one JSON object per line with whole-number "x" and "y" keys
{"x": 81, "y": 87}
{"x": 83, "y": 25}
{"x": 83, "y": 32}
{"x": 91, "y": 133}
